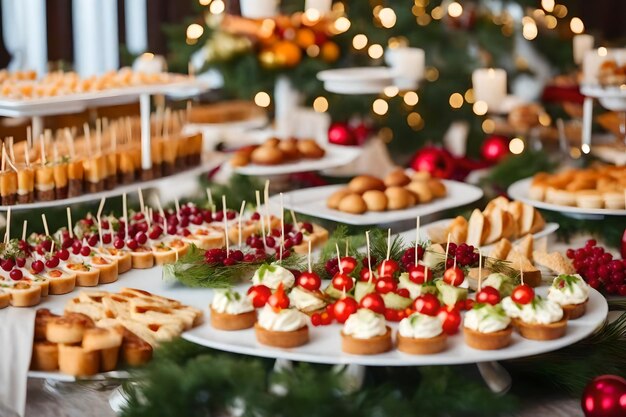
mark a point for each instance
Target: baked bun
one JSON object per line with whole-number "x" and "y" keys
{"x": 240, "y": 159}
{"x": 45, "y": 356}
{"x": 353, "y": 203}
{"x": 437, "y": 188}
{"x": 97, "y": 338}
{"x": 68, "y": 329}
{"x": 272, "y": 142}
{"x": 135, "y": 351}
{"x": 310, "y": 149}
{"x": 397, "y": 178}
{"x": 422, "y": 190}
{"x": 363, "y": 183}
{"x": 41, "y": 322}
{"x": 267, "y": 155}
{"x": 375, "y": 200}
{"x": 289, "y": 148}
{"x": 334, "y": 199}
{"x": 398, "y": 198}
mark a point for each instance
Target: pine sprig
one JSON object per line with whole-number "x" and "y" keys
{"x": 378, "y": 246}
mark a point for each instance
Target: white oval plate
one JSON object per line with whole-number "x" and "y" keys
{"x": 312, "y": 201}
{"x": 519, "y": 191}
{"x": 325, "y": 343}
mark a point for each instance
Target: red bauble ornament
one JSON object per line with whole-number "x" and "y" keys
{"x": 438, "y": 162}
{"x": 605, "y": 396}
{"x": 427, "y": 304}
{"x": 342, "y": 309}
{"x": 450, "y": 319}
{"x": 348, "y": 264}
{"x": 453, "y": 276}
{"x": 388, "y": 268}
{"x": 494, "y": 148}
{"x": 418, "y": 274}
{"x": 342, "y": 282}
{"x": 361, "y": 132}
{"x": 488, "y": 295}
{"x": 309, "y": 281}
{"x": 523, "y": 294}
{"x": 258, "y": 295}
{"x": 385, "y": 285}
{"x": 339, "y": 133}
{"x": 373, "y": 302}
{"x": 623, "y": 247}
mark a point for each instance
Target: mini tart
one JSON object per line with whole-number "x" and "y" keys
{"x": 24, "y": 294}
{"x": 371, "y": 346}
{"x": 273, "y": 338}
{"x": 224, "y": 321}
{"x": 86, "y": 276}
{"x": 61, "y": 282}
{"x": 5, "y": 298}
{"x": 142, "y": 258}
{"x": 45, "y": 356}
{"x": 163, "y": 255}
{"x": 574, "y": 311}
{"x": 107, "y": 268}
{"x": 123, "y": 258}
{"x": 614, "y": 200}
{"x": 179, "y": 246}
{"x": 536, "y": 331}
{"x": 41, "y": 283}
{"x": 41, "y": 322}
{"x": 422, "y": 346}
{"x": 76, "y": 361}
{"x": 488, "y": 341}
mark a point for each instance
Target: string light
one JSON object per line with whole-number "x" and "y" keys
{"x": 437, "y": 13}
{"x": 204, "y": 2}
{"x": 469, "y": 96}
{"x": 456, "y": 101}
{"x": 375, "y": 51}
{"x": 602, "y": 51}
{"x": 386, "y": 134}
{"x": 489, "y": 126}
{"x": 585, "y": 148}
{"x": 560, "y": 11}
{"x": 380, "y": 106}
{"x": 359, "y": 41}
{"x": 194, "y": 31}
{"x": 455, "y": 9}
{"x": 217, "y": 7}
{"x": 548, "y": 5}
{"x": 575, "y": 153}
{"x": 529, "y": 29}
{"x": 480, "y": 108}
{"x": 320, "y": 104}
{"x": 545, "y": 119}
{"x": 431, "y": 74}
{"x": 411, "y": 98}
{"x": 577, "y": 25}
{"x": 391, "y": 91}
{"x": 387, "y": 17}
{"x": 415, "y": 121}
{"x": 423, "y": 20}
{"x": 262, "y": 99}
{"x": 313, "y": 51}
{"x": 342, "y": 24}
{"x": 516, "y": 146}
{"x": 551, "y": 22}
{"x": 312, "y": 15}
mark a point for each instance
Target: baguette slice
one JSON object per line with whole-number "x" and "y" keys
{"x": 525, "y": 246}
{"x": 501, "y": 249}
{"x": 476, "y": 228}
{"x": 457, "y": 229}
{"x": 532, "y": 275}
{"x": 554, "y": 261}
{"x": 496, "y": 225}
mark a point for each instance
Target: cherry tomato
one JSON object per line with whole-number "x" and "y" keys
{"x": 279, "y": 299}
{"x": 469, "y": 304}
{"x": 316, "y": 319}
{"x": 374, "y": 302}
{"x": 309, "y": 281}
{"x": 419, "y": 275}
{"x": 342, "y": 282}
{"x": 523, "y": 294}
{"x": 385, "y": 285}
{"x": 326, "y": 318}
{"x": 453, "y": 276}
{"x": 427, "y": 304}
{"x": 450, "y": 320}
{"x": 344, "y": 308}
{"x": 388, "y": 267}
{"x": 259, "y": 294}
{"x": 488, "y": 295}
{"x": 365, "y": 275}
{"x": 403, "y": 292}
{"x": 348, "y": 264}
{"x": 391, "y": 314}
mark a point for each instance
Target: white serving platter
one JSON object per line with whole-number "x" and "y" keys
{"x": 611, "y": 97}
{"x": 335, "y": 156}
{"x": 520, "y": 190}
{"x": 312, "y": 201}
{"x": 358, "y": 80}
{"x": 409, "y": 236}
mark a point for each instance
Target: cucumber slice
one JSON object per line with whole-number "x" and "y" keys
{"x": 362, "y": 289}
{"x": 334, "y": 292}
{"x": 395, "y": 301}
{"x": 450, "y": 295}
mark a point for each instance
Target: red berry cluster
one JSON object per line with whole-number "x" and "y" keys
{"x": 599, "y": 269}
{"x": 222, "y": 257}
{"x": 408, "y": 257}
{"x": 465, "y": 255}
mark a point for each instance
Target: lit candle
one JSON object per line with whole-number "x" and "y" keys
{"x": 259, "y": 9}
{"x": 407, "y": 65}
{"x": 490, "y": 86}
{"x": 322, "y": 6}
{"x": 582, "y": 44}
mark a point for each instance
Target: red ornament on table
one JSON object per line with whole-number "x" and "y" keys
{"x": 339, "y": 133}
{"x": 438, "y": 162}
{"x": 605, "y": 396}
{"x": 494, "y": 148}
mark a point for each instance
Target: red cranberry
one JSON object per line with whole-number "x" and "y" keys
{"x": 7, "y": 264}
{"x": 106, "y": 239}
{"x": 63, "y": 254}
{"x": 141, "y": 238}
{"x": 20, "y": 262}
{"x": 37, "y": 266}
{"x": 53, "y": 262}
{"x": 85, "y": 251}
{"x": 16, "y": 274}
{"x": 132, "y": 244}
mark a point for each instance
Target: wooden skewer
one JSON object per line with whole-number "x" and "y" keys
{"x": 480, "y": 270}
{"x": 7, "y": 235}
{"x": 447, "y": 249}
{"x": 4, "y": 159}
{"x": 177, "y": 205}
{"x": 26, "y": 156}
{"x": 417, "y": 238}
{"x": 309, "y": 257}
{"x": 99, "y": 135}
{"x": 125, "y": 213}
{"x": 339, "y": 259}
{"x": 347, "y": 246}
{"x": 266, "y": 197}
{"x": 24, "y": 228}
{"x": 241, "y": 210}
{"x": 282, "y": 226}
{"x": 294, "y": 219}
{"x": 11, "y": 150}
{"x": 521, "y": 269}
{"x": 87, "y": 135}
{"x": 209, "y": 196}
{"x": 100, "y": 231}
{"x": 369, "y": 258}
{"x": 69, "y": 221}
{"x": 100, "y": 207}
{"x": 29, "y": 137}
{"x": 148, "y": 216}
{"x": 258, "y": 207}
{"x": 225, "y": 223}
{"x": 45, "y": 224}
{"x": 141, "y": 206}
{"x": 159, "y": 207}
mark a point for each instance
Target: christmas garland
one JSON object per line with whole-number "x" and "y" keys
{"x": 190, "y": 380}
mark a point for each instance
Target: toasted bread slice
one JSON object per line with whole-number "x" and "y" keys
{"x": 458, "y": 230}
{"x": 500, "y": 202}
{"x": 531, "y": 275}
{"x": 525, "y": 246}
{"x": 527, "y": 220}
{"x": 554, "y": 261}
{"x": 501, "y": 249}
{"x": 538, "y": 222}
{"x": 475, "y": 228}
{"x": 509, "y": 226}
{"x": 496, "y": 225}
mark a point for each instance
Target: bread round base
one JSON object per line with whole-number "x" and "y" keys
{"x": 5, "y": 299}
{"x": 292, "y": 339}
{"x": 124, "y": 263}
{"x": 541, "y": 331}
{"x": 108, "y": 273}
{"x": 87, "y": 278}
{"x": 74, "y": 360}
{"x": 372, "y": 346}
{"x": 421, "y": 346}
{"x": 162, "y": 258}
{"x": 223, "y": 321}
{"x": 574, "y": 311}
{"x": 26, "y": 297}
{"x": 142, "y": 260}
{"x": 45, "y": 356}
{"x": 63, "y": 284}
{"x": 488, "y": 341}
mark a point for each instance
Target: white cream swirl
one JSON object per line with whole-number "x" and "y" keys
{"x": 568, "y": 289}
{"x": 285, "y": 320}
{"x": 539, "y": 311}
{"x": 420, "y": 326}
{"x": 305, "y": 300}
{"x": 486, "y": 319}
{"x": 365, "y": 324}
{"x": 230, "y": 302}
{"x": 272, "y": 275}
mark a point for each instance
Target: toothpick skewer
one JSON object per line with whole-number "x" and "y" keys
{"x": 7, "y": 235}
{"x": 241, "y": 210}
{"x": 266, "y": 197}
{"x": 148, "y": 217}
{"x": 417, "y": 238}
{"x": 100, "y": 231}
{"x": 43, "y": 150}
{"x": 225, "y": 223}
{"x": 100, "y": 207}
{"x": 347, "y": 246}
{"x": 447, "y": 250}
{"x": 258, "y": 208}
{"x": 209, "y": 196}
{"x": 339, "y": 259}
{"x": 388, "y": 248}
{"x": 125, "y": 214}
{"x": 309, "y": 256}
{"x": 177, "y": 205}
{"x": 521, "y": 270}
{"x": 159, "y": 207}
{"x": 29, "y": 137}
{"x": 26, "y": 156}
{"x": 45, "y": 224}
{"x": 24, "y": 228}
{"x": 480, "y": 270}
{"x": 141, "y": 205}
{"x": 282, "y": 226}
{"x": 369, "y": 258}
{"x": 294, "y": 219}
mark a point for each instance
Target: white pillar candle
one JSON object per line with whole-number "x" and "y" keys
{"x": 407, "y": 65}
{"x": 35, "y": 38}
{"x": 259, "y": 9}
{"x": 489, "y": 86}
{"x": 148, "y": 63}
{"x": 109, "y": 45}
{"x": 136, "y": 23}
{"x": 322, "y": 6}
{"x": 582, "y": 44}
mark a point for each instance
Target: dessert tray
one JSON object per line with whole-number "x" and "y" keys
{"x": 335, "y": 156}
{"x": 611, "y": 97}
{"x": 312, "y": 201}
{"x": 520, "y": 191}
{"x": 325, "y": 344}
